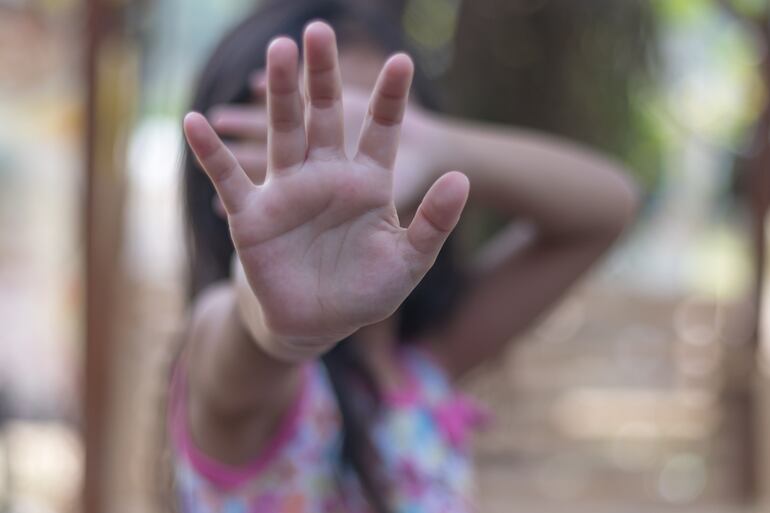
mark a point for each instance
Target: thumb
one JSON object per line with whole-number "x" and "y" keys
{"x": 438, "y": 214}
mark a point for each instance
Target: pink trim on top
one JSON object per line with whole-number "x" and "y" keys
{"x": 460, "y": 416}
{"x": 403, "y": 397}
{"x": 224, "y": 476}
{"x": 457, "y": 415}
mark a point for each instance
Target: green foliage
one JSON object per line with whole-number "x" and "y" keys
{"x": 710, "y": 84}
{"x": 430, "y": 23}
{"x": 683, "y": 11}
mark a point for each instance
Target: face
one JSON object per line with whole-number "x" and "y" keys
{"x": 360, "y": 65}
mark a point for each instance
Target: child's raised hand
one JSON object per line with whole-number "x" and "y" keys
{"x": 320, "y": 242}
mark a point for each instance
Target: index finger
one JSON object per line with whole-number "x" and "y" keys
{"x": 228, "y": 177}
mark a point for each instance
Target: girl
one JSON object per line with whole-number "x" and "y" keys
{"x": 318, "y": 375}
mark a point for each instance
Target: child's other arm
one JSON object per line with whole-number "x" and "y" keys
{"x": 575, "y": 204}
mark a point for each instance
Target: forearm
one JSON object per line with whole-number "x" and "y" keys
{"x": 573, "y": 204}
{"x": 237, "y": 391}
{"x": 564, "y": 189}
{"x": 229, "y": 369}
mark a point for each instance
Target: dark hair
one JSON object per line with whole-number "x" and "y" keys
{"x": 224, "y": 80}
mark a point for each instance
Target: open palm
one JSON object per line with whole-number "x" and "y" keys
{"x": 320, "y": 241}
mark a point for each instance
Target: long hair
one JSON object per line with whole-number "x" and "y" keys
{"x": 224, "y": 80}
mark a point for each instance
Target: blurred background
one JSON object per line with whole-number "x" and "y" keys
{"x": 646, "y": 390}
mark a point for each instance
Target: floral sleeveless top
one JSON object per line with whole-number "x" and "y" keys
{"x": 421, "y": 433}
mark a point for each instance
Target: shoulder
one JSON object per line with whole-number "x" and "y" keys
{"x": 299, "y": 450}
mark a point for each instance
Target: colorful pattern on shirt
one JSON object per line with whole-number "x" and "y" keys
{"x": 421, "y": 433}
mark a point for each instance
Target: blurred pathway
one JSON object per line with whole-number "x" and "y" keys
{"x": 615, "y": 401}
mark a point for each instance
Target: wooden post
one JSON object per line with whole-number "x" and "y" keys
{"x": 111, "y": 86}
{"x": 97, "y": 320}
{"x": 759, "y": 203}
{"x": 754, "y": 395}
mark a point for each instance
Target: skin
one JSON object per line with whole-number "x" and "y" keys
{"x": 321, "y": 252}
